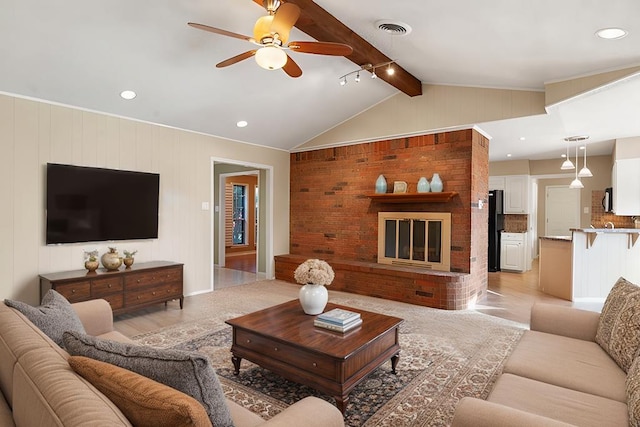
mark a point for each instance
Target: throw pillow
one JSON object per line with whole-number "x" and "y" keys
{"x": 633, "y": 393}
{"x": 53, "y": 317}
{"x": 143, "y": 401}
{"x": 619, "y": 325}
{"x": 188, "y": 372}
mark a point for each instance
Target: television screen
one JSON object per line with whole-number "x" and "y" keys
{"x": 86, "y": 204}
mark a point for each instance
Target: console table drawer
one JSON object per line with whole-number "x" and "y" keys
{"x": 300, "y": 358}
{"x": 102, "y": 287}
{"x": 116, "y": 301}
{"x": 166, "y": 275}
{"x": 159, "y": 292}
{"x": 75, "y": 292}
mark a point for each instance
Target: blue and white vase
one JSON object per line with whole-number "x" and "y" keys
{"x": 423, "y": 185}
{"x": 381, "y": 184}
{"x": 436, "y": 183}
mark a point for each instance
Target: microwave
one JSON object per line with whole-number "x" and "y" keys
{"x": 607, "y": 200}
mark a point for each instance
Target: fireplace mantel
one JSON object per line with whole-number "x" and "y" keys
{"x": 441, "y": 197}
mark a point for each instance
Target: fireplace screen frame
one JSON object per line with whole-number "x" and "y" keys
{"x": 411, "y": 228}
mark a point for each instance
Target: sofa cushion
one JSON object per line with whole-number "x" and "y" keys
{"x": 562, "y": 404}
{"x": 567, "y": 362}
{"x": 619, "y": 326}
{"x": 633, "y": 393}
{"x": 188, "y": 372}
{"x": 142, "y": 400}
{"x": 54, "y": 316}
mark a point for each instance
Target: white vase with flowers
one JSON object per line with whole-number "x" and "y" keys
{"x": 314, "y": 275}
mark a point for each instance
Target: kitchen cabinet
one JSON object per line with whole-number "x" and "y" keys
{"x": 626, "y": 187}
{"x": 496, "y": 183}
{"x": 513, "y": 251}
{"x": 516, "y": 192}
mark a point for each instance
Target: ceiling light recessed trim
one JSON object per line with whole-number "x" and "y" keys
{"x": 242, "y": 123}
{"x": 128, "y": 95}
{"x": 612, "y": 33}
{"x": 395, "y": 28}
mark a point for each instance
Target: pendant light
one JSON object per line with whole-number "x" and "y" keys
{"x": 576, "y": 183}
{"x": 585, "y": 172}
{"x": 567, "y": 164}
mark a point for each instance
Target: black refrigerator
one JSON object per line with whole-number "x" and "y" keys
{"x": 496, "y": 225}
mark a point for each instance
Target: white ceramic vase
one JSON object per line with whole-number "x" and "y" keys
{"x": 313, "y": 298}
{"x": 436, "y": 183}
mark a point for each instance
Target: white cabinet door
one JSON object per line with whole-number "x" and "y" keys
{"x": 496, "y": 183}
{"x": 626, "y": 187}
{"x": 516, "y": 194}
{"x": 512, "y": 251}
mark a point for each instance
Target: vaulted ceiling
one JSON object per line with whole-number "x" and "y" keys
{"x": 84, "y": 53}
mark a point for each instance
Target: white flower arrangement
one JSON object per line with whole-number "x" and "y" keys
{"x": 314, "y": 271}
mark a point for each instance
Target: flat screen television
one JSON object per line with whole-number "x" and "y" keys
{"x": 86, "y": 204}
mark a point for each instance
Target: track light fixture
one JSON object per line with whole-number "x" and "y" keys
{"x": 369, "y": 67}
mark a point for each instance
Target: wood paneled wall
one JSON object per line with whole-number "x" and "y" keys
{"x": 33, "y": 133}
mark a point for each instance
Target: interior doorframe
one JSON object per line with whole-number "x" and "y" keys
{"x": 268, "y": 223}
{"x": 222, "y": 249}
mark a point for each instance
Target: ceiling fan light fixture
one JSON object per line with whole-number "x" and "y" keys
{"x": 271, "y": 57}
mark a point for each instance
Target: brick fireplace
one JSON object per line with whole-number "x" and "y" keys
{"x": 334, "y": 217}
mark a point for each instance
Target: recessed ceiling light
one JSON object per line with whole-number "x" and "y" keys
{"x": 508, "y": 155}
{"x": 522, "y": 138}
{"x": 242, "y": 123}
{"x": 563, "y": 155}
{"x": 128, "y": 94}
{"x": 611, "y": 33}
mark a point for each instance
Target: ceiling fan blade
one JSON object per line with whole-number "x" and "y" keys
{"x": 236, "y": 59}
{"x": 322, "y": 48}
{"x": 286, "y": 16}
{"x": 291, "y": 68}
{"x": 218, "y": 31}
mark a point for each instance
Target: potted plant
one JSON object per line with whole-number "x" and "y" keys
{"x": 314, "y": 275}
{"x": 128, "y": 258}
{"x": 91, "y": 260}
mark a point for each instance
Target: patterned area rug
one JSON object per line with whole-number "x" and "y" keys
{"x": 445, "y": 356}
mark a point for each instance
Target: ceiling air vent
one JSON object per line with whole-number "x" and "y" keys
{"x": 395, "y": 28}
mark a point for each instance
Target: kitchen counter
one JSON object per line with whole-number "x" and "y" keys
{"x": 560, "y": 238}
{"x": 607, "y": 230}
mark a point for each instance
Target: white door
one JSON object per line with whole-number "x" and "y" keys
{"x": 562, "y": 210}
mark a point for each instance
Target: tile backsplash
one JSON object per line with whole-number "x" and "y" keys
{"x": 599, "y": 217}
{"x": 515, "y": 223}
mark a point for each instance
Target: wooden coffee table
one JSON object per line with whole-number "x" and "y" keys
{"x": 284, "y": 340}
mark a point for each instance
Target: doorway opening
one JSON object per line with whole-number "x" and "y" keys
{"x": 242, "y": 220}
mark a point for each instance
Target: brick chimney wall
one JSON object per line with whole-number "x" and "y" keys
{"x": 332, "y": 216}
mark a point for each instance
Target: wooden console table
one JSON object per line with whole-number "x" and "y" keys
{"x": 126, "y": 289}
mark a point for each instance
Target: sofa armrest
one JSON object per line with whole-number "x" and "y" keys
{"x": 474, "y": 412}
{"x": 309, "y": 412}
{"x": 96, "y": 316}
{"x": 566, "y": 321}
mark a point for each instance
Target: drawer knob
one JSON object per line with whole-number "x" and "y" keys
{"x": 248, "y": 341}
{"x": 73, "y": 291}
{"x": 109, "y": 285}
{"x": 275, "y": 348}
{"x": 153, "y": 293}
{"x": 315, "y": 365}
{"x": 153, "y": 278}
{"x": 138, "y": 280}
{"x": 138, "y": 296}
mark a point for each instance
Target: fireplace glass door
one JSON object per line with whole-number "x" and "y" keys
{"x": 416, "y": 239}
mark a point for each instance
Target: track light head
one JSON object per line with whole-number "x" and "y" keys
{"x": 390, "y": 70}
{"x": 343, "y": 81}
{"x": 357, "y": 79}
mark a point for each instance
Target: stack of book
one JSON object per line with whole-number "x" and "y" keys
{"x": 338, "y": 319}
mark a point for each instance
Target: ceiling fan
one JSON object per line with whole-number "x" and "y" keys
{"x": 271, "y": 34}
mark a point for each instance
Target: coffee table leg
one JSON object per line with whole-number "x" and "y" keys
{"x": 236, "y": 364}
{"x": 394, "y": 363}
{"x": 341, "y": 402}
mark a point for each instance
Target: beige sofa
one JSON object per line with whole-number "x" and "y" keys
{"x": 40, "y": 389}
{"x": 556, "y": 376}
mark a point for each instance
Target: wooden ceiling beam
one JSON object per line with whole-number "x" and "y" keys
{"x": 322, "y": 26}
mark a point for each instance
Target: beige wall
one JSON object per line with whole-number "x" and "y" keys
{"x": 439, "y": 108}
{"x": 33, "y": 133}
{"x": 512, "y": 167}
